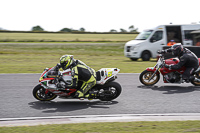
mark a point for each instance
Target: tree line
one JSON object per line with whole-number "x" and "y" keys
{"x": 131, "y": 29}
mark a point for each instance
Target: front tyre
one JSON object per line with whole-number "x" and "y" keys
{"x": 40, "y": 94}
{"x": 145, "y": 76}
{"x": 110, "y": 91}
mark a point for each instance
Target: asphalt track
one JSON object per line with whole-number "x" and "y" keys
{"x": 136, "y": 102}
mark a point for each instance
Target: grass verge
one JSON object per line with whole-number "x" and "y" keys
{"x": 111, "y": 127}
{"x": 64, "y": 37}
{"x": 33, "y": 58}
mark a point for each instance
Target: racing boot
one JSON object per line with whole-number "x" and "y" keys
{"x": 88, "y": 96}
{"x": 79, "y": 94}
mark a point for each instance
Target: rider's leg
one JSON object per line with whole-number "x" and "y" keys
{"x": 86, "y": 86}
{"x": 188, "y": 74}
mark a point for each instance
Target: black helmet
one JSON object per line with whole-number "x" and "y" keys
{"x": 177, "y": 49}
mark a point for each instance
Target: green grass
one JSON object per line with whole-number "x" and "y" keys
{"x": 33, "y": 58}
{"x": 60, "y": 37}
{"x": 112, "y": 127}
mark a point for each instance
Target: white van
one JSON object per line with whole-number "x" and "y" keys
{"x": 148, "y": 42}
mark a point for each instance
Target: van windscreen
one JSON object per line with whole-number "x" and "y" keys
{"x": 144, "y": 35}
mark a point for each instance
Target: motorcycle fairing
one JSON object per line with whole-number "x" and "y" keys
{"x": 67, "y": 92}
{"x": 105, "y": 74}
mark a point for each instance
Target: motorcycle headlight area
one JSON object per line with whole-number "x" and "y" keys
{"x": 44, "y": 83}
{"x": 134, "y": 47}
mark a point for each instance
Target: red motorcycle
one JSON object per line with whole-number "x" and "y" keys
{"x": 151, "y": 75}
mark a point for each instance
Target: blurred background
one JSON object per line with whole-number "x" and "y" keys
{"x": 34, "y": 34}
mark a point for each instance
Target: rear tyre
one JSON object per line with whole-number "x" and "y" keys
{"x": 110, "y": 91}
{"x": 197, "y": 75}
{"x": 40, "y": 94}
{"x": 145, "y": 76}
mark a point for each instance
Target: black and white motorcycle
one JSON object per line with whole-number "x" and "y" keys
{"x": 105, "y": 89}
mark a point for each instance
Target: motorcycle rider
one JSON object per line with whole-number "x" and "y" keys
{"x": 187, "y": 59}
{"x": 79, "y": 72}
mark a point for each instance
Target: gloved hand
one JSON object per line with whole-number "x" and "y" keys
{"x": 58, "y": 66}
{"x": 167, "y": 66}
{"x": 162, "y": 52}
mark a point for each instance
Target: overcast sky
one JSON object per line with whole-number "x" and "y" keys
{"x": 96, "y": 15}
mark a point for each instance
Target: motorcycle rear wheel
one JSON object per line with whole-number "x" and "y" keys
{"x": 145, "y": 76}
{"x": 110, "y": 91}
{"x": 39, "y": 94}
{"x": 197, "y": 75}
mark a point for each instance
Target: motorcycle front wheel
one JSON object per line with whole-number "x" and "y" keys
{"x": 40, "y": 94}
{"x": 145, "y": 76}
{"x": 110, "y": 91}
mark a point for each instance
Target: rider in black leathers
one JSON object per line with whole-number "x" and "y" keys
{"x": 187, "y": 59}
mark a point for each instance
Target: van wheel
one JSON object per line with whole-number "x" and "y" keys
{"x": 134, "y": 59}
{"x": 146, "y": 56}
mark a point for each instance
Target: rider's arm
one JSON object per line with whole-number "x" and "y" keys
{"x": 57, "y": 67}
{"x": 183, "y": 60}
{"x": 74, "y": 73}
{"x": 169, "y": 50}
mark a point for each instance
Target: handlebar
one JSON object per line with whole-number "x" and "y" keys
{"x": 161, "y": 58}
